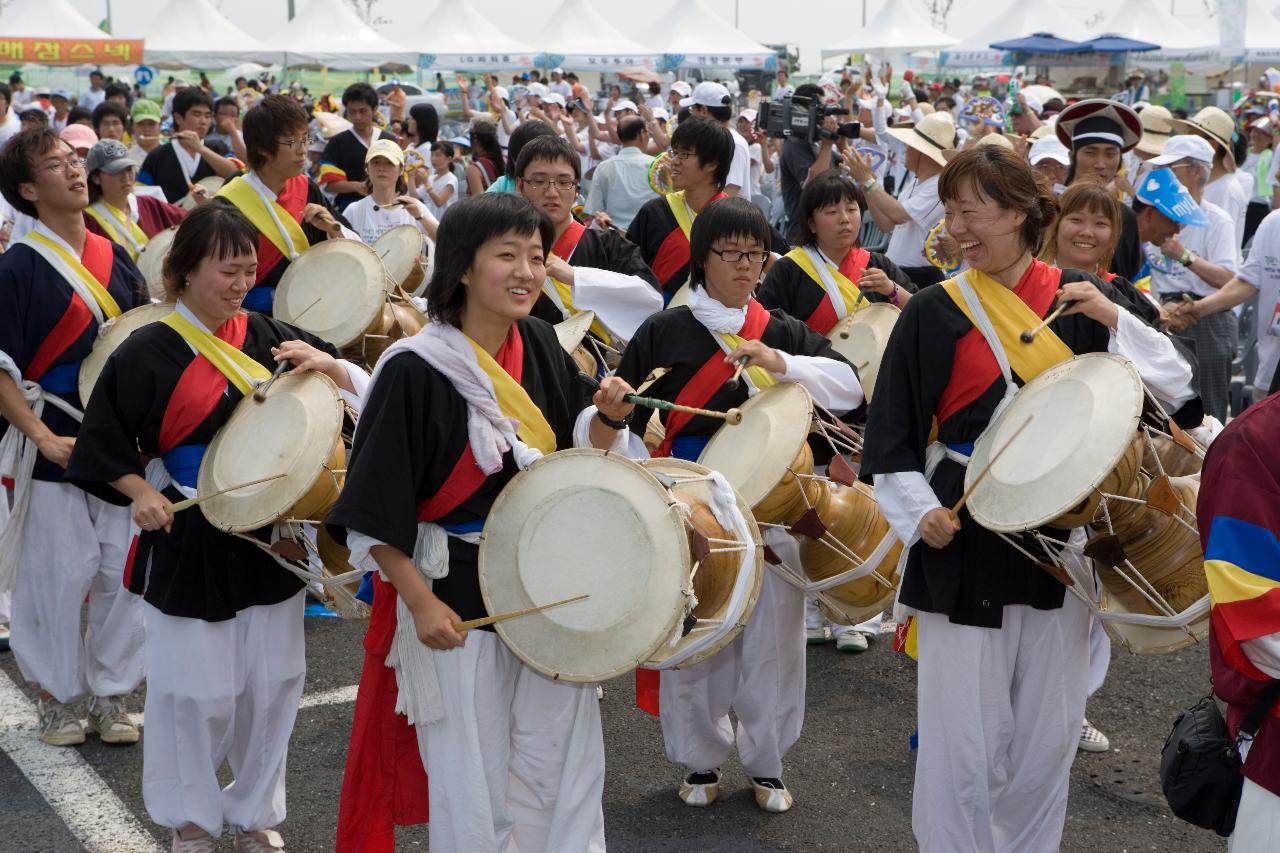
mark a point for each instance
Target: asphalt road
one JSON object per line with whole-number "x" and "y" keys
{"x": 851, "y": 772}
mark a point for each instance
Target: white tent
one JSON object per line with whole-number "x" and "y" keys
{"x": 1019, "y": 19}
{"x": 47, "y": 19}
{"x": 896, "y": 27}
{"x": 703, "y": 40}
{"x": 590, "y": 44}
{"x": 193, "y": 34}
{"x": 1149, "y": 20}
{"x": 329, "y": 34}
{"x": 1261, "y": 34}
{"x": 455, "y": 35}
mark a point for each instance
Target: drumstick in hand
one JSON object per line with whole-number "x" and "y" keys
{"x": 260, "y": 393}
{"x": 514, "y": 614}
{"x": 1029, "y": 335}
{"x": 733, "y": 416}
{"x": 199, "y": 499}
{"x": 735, "y": 380}
{"x": 954, "y": 512}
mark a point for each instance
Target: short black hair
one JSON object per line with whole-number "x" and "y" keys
{"x": 216, "y": 229}
{"x": 465, "y": 227}
{"x": 360, "y": 93}
{"x": 189, "y": 98}
{"x": 520, "y": 137}
{"x": 630, "y": 129}
{"x": 34, "y": 114}
{"x": 710, "y": 140}
{"x": 17, "y": 164}
{"x": 264, "y": 124}
{"x": 945, "y": 104}
{"x": 109, "y": 108}
{"x": 97, "y": 72}
{"x": 77, "y": 114}
{"x": 724, "y": 219}
{"x": 226, "y": 101}
{"x": 808, "y": 90}
{"x": 445, "y": 148}
{"x": 112, "y": 90}
{"x": 830, "y": 187}
{"x": 550, "y": 148}
{"x": 720, "y": 113}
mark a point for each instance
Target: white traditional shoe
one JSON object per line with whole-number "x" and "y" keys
{"x": 196, "y": 841}
{"x": 772, "y": 795}
{"x": 1092, "y": 740}
{"x": 851, "y": 641}
{"x": 108, "y": 717}
{"x": 816, "y": 636}
{"x": 259, "y": 841}
{"x": 700, "y": 789}
{"x": 59, "y": 724}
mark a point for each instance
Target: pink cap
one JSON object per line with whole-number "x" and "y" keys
{"x": 78, "y": 136}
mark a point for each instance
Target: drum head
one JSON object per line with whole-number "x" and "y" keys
{"x": 111, "y": 337}
{"x": 580, "y": 522}
{"x": 293, "y": 431}
{"x": 338, "y": 287}
{"x": 400, "y": 250}
{"x": 151, "y": 261}
{"x": 1085, "y": 414}
{"x": 571, "y": 331}
{"x": 680, "y": 297}
{"x": 1148, "y": 639}
{"x": 212, "y": 183}
{"x": 756, "y": 454}
{"x": 862, "y": 337}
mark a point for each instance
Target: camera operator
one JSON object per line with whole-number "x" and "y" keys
{"x": 802, "y": 159}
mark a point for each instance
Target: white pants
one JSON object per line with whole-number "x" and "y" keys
{"x": 1099, "y": 653}
{"x": 813, "y": 618}
{"x": 517, "y": 763}
{"x": 999, "y": 717}
{"x": 221, "y": 691}
{"x": 1257, "y": 821}
{"x": 760, "y": 675}
{"x": 5, "y": 597}
{"x": 75, "y": 545}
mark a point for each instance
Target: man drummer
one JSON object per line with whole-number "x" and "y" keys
{"x": 283, "y": 203}
{"x": 58, "y": 284}
{"x": 114, "y": 211}
{"x": 589, "y": 269}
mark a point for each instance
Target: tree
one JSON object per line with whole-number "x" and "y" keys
{"x": 365, "y": 9}
{"x": 938, "y": 11}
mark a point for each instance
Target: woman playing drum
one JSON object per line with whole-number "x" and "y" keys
{"x": 518, "y": 756}
{"x": 1003, "y": 659}
{"x": 761, "y": 676}
{"x": 224, "y": 651}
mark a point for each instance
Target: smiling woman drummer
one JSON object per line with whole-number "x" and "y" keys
{"x": 224, "y": 643}
{"x": 1003, "y": 657}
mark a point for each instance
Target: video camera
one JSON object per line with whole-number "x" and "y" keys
{"x": 801, "y": 118}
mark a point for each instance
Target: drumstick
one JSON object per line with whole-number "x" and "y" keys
{"x": 954, "y": 512}
{"x": 1028, "y": 335}
{"x": 733, "y": 416}
{"x": 260, "y": 393}
{"x": 514, "y": 614}
{"x": 734, "y": 380}
{"x": 190, "y": 502}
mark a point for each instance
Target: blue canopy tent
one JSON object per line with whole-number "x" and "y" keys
{"x": 1038, "y": 43}
{"x": 1111, "y": 43}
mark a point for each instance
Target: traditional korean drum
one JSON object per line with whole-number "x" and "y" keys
{"x": 211, "y": 184}
{"x": 403, "y": 253}
{"x": 861, "y": 337}
{"x": 335, "y": 290}
{"x": 110, "y": 337}
{"x": 151, "y": 261}
{"x": 571, "y": 333}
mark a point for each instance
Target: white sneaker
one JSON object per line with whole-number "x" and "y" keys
{"x": 851, "y": 641}
{"x": 259, "y": 841}
{"x": 197, "y": 841}
{"x": 59, "y": 724}
{"x": 107, "y": 717}
{"x": 816, "y": 636}
{"x": 1092, "y": 740}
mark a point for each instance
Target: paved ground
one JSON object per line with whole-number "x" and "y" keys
{"x": 851, "y": 771}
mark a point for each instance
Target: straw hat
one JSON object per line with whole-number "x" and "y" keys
{"x": 1157, "y": 124}
{"x": 999, "y": 140}
{"x": 932, "y": 135}
{"x": 1216, "y": 126}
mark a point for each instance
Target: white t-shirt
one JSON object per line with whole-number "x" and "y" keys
{"x": 1227, "y": 194}
{"x": 371, "y": 221}
{"x": 740, "y": 170}
{"x": 504, "y": 135}
{"x": 756, "y": 154}
{"x": 1215, "y": 243}
{"x": 1262, "y": 270}
{"x": 920, "y": 199}
{"x": 439, "y": 183}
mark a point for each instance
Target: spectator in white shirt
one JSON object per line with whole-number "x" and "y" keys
{"x": 389, "y": 201}
{"x": 10, "y": 124}
{"x": 783, "y": 89}
{"x": 755, "y": 152}
{"x": 559, "y": 85}
{"x": 440, "y": 190}
{"x": 714, "y": 100}
{"x": 621, "y": 183}
{"x": 95, "y": 94}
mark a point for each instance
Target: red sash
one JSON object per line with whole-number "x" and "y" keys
{"x": 852, "y": 267}
{"x": 563, "y": 249}
{"x": 293, "y": 198}
{"x": 385, "y": 783}
{"x": 199, "y": 388}
{"x": 97, "y": 259}
{"x": 673, "y": 255}
{"x": 1108, "y": 277}
{"x": 975, "y": 366}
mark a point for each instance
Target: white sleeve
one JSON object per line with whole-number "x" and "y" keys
{"x": 9, "y": 366}
{"x": 833, "y": 384}
{"x": 348, "y": 234}
{"x": 1158, "y": 362}
{"x": 739, "y": 169}
{"x": 360, "y": 546}
{"x": 905, "y": 498}
{"x": 360, "y": 380}
{"x": 1264, "y": 653}
{"x": 597, "y": 196}
{"x": 626, "y": 442}
{"x": 621, "y": 301}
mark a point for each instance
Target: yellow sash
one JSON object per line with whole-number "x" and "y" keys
{"x": 100, "y": 294}
{"x": 514, "y": 401}
{"x": 680, "y": 210}
{"x": 759, "y": 377}
{"x": 242, "y": 195}
{"x": 240, "y": 370}
{"x": 848, "y": 289}
{"x": 565, "y": 292}
{"x": 116, "y": 224}
{"x": 1010, "y": 316}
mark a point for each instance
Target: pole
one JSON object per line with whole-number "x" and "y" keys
{"x": 735, "y": 14}
{"x": 291, "y": 11}
{"x": 864, "y": 14}
{"x": 108, "y": 16}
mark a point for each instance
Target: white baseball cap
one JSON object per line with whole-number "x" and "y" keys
{"x": 538, "y": 90}
{"x": 708, "y": 94}
{"x": 1184, "y": 146}
{"x": 553, "y": 98}
{"x": 749, "y": 115}
{"x": 501, "y": 92}
{"x": 557, "y": 71}
{"x": 1049, "y": 148}
{"x": 683, "y": 88}
{"x": 660, "y": 113}
{"x": 626, "y": 104}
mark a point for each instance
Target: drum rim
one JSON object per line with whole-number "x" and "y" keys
{"x": 155, "y": 288}
{"x": 375, "y": 291}
{"x": 571, "y": 330}
{"x": 881, "y": 317}
{"x": 94, "y": 363}
{"x": 773, "y": 395}
{"x": 393, "y": 280}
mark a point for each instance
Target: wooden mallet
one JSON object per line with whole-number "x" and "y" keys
{"x": 172, "y": 509}
{"x": 514, "y": 614}
{"x": 954, "y": 512}
{"x": 1029, "y": 335}
{"x": 733, "y": 416}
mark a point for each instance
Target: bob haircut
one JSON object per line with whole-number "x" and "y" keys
{"x": 710, "y": 141}
{"x": 1091, "y": 198}
{"x": 550, "y": 148}
{"x": 467, "y": 226}
{"x": 265, "y": 123}
{"x": 18, "y": 163}
{"x": 1006, "y": 179}
{"x": 216, "y": 229}
{"x": 724, "y": 220}
{"x": 826, "y": 189}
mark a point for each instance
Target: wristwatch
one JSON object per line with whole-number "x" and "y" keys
{"x": 869, "y": 185}
{"x": 1188, "y": 258}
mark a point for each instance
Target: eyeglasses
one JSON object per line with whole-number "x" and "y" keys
{"x": 679, "y": 154}
{"x": 733, "y": 256}
{"x": 562, "y": 184}
{"x": 59, "y": 166}
{"x": 295, "y": 144}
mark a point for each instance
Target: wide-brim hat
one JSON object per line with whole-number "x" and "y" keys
{"x": 1099, "y": 120}
{"x": 1157, "y": 125}
{"x": 1217, "y": 127}
{"x": 999, "y": 140}
{"x": 932, "y": 135}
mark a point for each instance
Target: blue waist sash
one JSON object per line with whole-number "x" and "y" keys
{"x": 688, "y": 447}
{"x": 963, "y": 447}
{"x": 259, "y": 299}
{"x": 365, "y": 593}
{"x": 62, "y": 378}
{"x": 183, "y": 463}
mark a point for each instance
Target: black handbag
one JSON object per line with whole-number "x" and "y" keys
{"x": 1200, "y": 763}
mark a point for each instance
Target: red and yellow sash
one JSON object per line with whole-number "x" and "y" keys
{"x": 272, "y": 245}
{"x": 846, "y": 277}
{"x": 199, "y": 388}
{"x": 673, "y": 254}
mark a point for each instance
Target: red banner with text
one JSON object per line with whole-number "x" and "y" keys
{"x": 45, "y": 51}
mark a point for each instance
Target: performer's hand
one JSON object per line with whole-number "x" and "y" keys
{"x": 558, "y": 269}
{"x": 318, "y": 216}
{"x": 602, "y": 219}
{"x": 938, "y": 528}
{"x": 609, "y": 399}
{"x": 876, "y": 281}
{"x": 433, "y": 621}
{"x": 56, "y": 448}
{"x": 150, "y": 511}
{"x": 189, "y": 140}
{"x": 305, "y": 357}
{"x": 1089, "y": 301}
{"x": 199, "y": 194}
{"x": 758, "y": 355}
